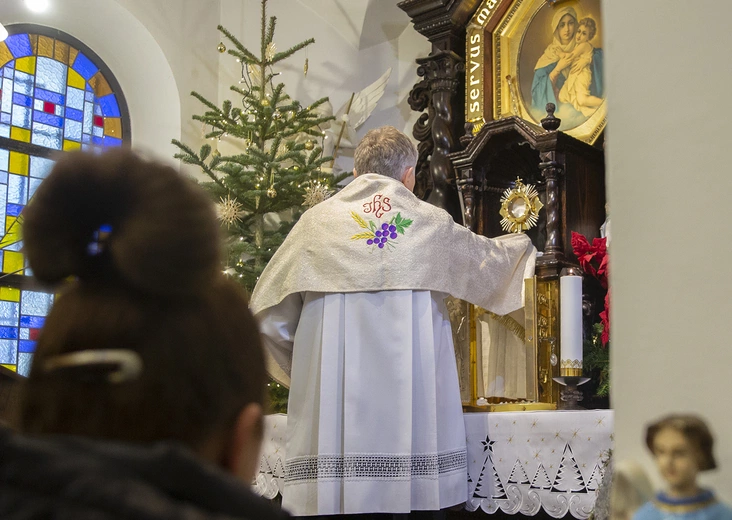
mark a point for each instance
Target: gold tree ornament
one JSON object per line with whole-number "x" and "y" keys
{"x": 305, "y": 68}
{"x": 309, "y": 145}
{"x": 520, "y": 207}
{"x": 221, "y": 47}
{"x": 229, "y": 211}
{"x": 271, "y": 192}
{"x": 315, "y": 193}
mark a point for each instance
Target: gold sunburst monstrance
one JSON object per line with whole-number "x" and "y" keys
{"x": 520, "y": 207}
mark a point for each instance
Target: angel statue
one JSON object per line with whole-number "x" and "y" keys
{"x": 341, "y": 133}
{"x": 682, "y": 447}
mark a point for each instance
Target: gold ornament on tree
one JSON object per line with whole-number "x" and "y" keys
{"x": 265, "y": 102}
{"x": 305, "y": 68}
{"x": 229, "y": 211}
{"x": 309, "y": 145}
{"x": 271, "y": 192}
{"x": 520, "y": 207}
{"x": 221, "y": 47}
{"x": 315, "y": 193}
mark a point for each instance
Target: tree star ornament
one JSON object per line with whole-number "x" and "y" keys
{"x": 229, "y": 211}
{"x": 520, "y": 207}
{"x": 315, "y": 194}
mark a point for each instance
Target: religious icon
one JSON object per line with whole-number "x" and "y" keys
{"x": 682, "y": 447}
{"x": 560, "y": 62}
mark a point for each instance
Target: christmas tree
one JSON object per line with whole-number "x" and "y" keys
{"x": 280, "y": 169}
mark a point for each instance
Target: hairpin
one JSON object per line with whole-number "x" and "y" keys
{"x": 128, "y": 363}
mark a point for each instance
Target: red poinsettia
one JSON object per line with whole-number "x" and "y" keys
{"x": 593, "y": 260}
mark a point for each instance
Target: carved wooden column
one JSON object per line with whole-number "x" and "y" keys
{"x": 441, "y": 70}
{"x": 443, "y": 23}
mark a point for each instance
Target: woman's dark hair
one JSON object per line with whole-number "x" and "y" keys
{"x": 694, "y": 429}
{"x": 141, "y": 245}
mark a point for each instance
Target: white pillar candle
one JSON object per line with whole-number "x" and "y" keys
{"x": 570, "y": 325}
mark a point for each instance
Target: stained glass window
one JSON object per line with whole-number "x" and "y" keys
{"x": 56, "y": 95}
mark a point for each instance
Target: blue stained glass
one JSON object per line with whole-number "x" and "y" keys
{"x": 97, "y": 140}
{"x": 89, "y": 96}
{"x": 32, "y": 322}
{"x": 5, "y": 118}
{"x": 85, "y": 138}
{"x": 3, "y": 181}
{"x": 9, "y": 313}
{"x": 4, "y": 156}
{"x": 6, "y": 102}
{"x": 76, "y": 115}
{"x": 24, "y": 333}
{"x": 109, "y": 105}
{"x": 23, "y": 83}
{"x": 33, "y": 186}
{"x": 50, "y": 74}
{"x": 84, "y": 66}
{"x": 17, "y": 190}
{"x": 48, "y": 119}
{"x": 75, "y": 98}
{"x": 35, "y": 304}
{"x": 8, "y": 69}
{"x": 89, "y": 89}
{"x": 21, "y": 116}
{"x": 25, "y": 361}
{"x": 8, "y": 351}
{"x": 4, "y": 130}
{"x": 40, "y": 166}
{"x": 88, "y": 117}
{"x": 8, "y": 333}
{"x": 14, "y": 247}
{"x": 98, "y": 110}
{"x": 47, "y": 136}
{"x": 111, "y": 141}
{"x": 25, "y": 345}
{"x": 23, "y": 100}
{"x": 98, "y": 132}
{"x": 87, "y": 147}
{"x": 53, "y": 97}
{"x": 19, "y": 45}
{"x": 14, "y": 209}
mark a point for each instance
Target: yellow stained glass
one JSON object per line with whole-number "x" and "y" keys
{"x": 100, "y": 85}
{"x": 13, "y": 262}
{"x": 14, "y": 368}
{"x": 5, "y": 54}
{"x": 72, "y": 55}
{"x": 113, "y": 126}
{"x": 45, "y": 46}
{"x": 20, "y": 134}
{"x": 13, "y": 233}
{"x": 34, "y": 43}
{"x": 27, "y": 65}
{"x": 71, "y": 145}
{"x": 75, "y": 80}
{"x": 18, "y": 163}
{"x": 9, "y": 294}
{"x": 61, "y": 52}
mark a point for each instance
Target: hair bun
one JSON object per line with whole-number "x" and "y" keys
{"x": 164, "y": 235}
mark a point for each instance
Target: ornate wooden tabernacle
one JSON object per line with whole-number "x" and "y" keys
{"x": 568, "y": 174}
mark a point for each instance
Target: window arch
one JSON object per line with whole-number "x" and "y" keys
{"x": 56, "y": 95}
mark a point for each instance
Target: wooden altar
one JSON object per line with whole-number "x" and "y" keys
{"x": 466, "y": 167}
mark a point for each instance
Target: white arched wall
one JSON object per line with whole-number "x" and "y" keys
{"x": 131, "y": 53}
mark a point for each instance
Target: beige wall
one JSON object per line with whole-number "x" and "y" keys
{"x": 669, "y": 184}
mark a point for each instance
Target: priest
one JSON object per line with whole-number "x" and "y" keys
{"x": 353, "y": 315}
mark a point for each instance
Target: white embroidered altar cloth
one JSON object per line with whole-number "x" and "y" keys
{"x": 518, "y": 462}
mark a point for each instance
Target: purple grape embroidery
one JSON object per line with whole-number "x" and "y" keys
{"x": 382, "y": 235}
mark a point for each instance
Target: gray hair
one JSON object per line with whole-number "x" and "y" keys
{"x": 385, "y": 151}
